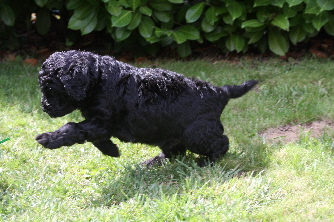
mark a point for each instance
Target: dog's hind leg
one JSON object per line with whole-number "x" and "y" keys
{"x": 107, "y": 147}
{"x": 174, "y": 151}
{"x": 206, "y": 138}
{"x": 168, "y": 152}
{"x": 157, "y": 160}
{"x": 219, "y": 148}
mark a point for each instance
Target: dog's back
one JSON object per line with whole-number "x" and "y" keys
{"x": 166, "y": 103}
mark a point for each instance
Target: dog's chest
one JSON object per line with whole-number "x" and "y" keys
{"x": 145, "y": 130}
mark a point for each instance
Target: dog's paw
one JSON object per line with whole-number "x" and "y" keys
{"x": 155, "y": 161}
{"x": 47, "y": 140}
{"x": 107, "y": 147}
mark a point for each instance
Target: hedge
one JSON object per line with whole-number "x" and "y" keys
{"x": 232, "y": 25}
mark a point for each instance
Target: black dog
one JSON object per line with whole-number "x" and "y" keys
{"x": 144, "y": 105}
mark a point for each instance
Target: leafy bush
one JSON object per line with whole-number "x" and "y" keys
{"x": 232, "y": 25}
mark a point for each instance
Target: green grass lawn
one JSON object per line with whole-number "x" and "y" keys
{"x": 255, "y": 181}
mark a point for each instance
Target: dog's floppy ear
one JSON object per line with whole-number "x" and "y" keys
{"x": 75, "y": 79}
{"x": 76, "y": 75}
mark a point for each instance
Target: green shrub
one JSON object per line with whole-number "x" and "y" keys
{"x": 232, "y": 25}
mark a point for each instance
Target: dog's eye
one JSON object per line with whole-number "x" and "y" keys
{"x": 48, "y": 91}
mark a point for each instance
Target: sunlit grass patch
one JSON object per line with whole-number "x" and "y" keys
{"x": 304, "y": 173}
{"x": 255, "y": 181}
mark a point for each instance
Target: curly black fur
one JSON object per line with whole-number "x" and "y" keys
{"x": 140, "y": 105}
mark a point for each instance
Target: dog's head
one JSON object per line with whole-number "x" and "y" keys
{"x": 65, "y": 78}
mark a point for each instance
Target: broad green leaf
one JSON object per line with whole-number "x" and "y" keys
{"x": 90, "y": 26}
{"x": 76, "y": 23}
{"x": 235, "y": 42}
{"x": 134, "y": 4}
{"x": 228, "y": 2}
{"x": 167, "y": 25}
{"x": 220, "y": 10}
{"x": 136, "y": 19}
{"x": 210, "y": 15}
{"x": 102, "y": 21}
{"x": 216, "y": 34}
{"x": 194, "y": 12}
{"x": 190, "y": 32}
{"x": 278, "y": 3}
{"x": 254, "y": 36}
{"x": 83, "y": 11}
{"x": 296, "y": 20}
{"x": 167, "y": 41}
{"x": 277, "y": 42}
{"x": 294, "y": 2}
{"x": 160, "y": 32}
{"x": 43, "y": 21}
{"x": 180, "y": 15}
{"x": 297, "y": 34}
{"x": 146, "y": 27}
{"x": 7, "y": 15}
{"x": 263, "y": 14}
{"x": 161, "y": 5}
{"x": 121, "y": 33}
{"x": 252, "y": 23}
{"x": 308, "y": 27}
{"x": 290, "y": 12}
{"x": 122, "y": 20}
{"x": 176, "y": 1}
{"x": 94, "y": 3}
{"x": 281, "y": 21}
{"x": 262, "y": 45}
{"x": 312, "y": 7}
{"x": 325, "y": 5}
{"x": 206, "y": 26}
{"x": 71, "y": 37}
{"x": 41, "y": 3}
{"x": 320, "y": 20}
{"x": 152, "y": 39}
{"x": 73, "y": 4}
{"x": 114, "y": 8}
{"x": 228, "y": 19}
{"x": 235, "y": 10}
{"x": 238, "y": 41}
{"x": 145, "y": 10}
{"x": 261, "y": 3}
{"x": 229, "y": 44}
{"x": 179, "y": 37}
{"x": 184, "y": 49}
{"x": 329, "y": 26}
{"x": 255, "y": 29}
{"x": 124, "y": 3}
{"x": 163, "y": 16}
{"x": 230, "y": 28}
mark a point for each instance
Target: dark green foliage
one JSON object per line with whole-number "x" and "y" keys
{"x": 233, "y": 25}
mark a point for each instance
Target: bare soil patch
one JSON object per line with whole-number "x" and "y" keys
{"x": 291, "y": 133}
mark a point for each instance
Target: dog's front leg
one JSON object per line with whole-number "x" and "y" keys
{"x": 66, "y": 135}
{"x": 107, "y": 147}
{"x": 93, "y": 131}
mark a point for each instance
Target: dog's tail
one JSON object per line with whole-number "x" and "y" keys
{"x": 235, "y": 91}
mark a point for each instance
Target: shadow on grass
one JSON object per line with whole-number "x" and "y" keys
{"x": 178, "y": 177}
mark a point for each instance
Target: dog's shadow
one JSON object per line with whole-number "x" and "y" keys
{"x": 178, "y": 176}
